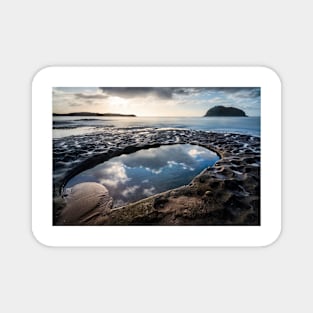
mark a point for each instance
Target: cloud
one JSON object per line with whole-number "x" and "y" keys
{"x": 165, "y": 157}
{"x": 130, "y": 190}
{"x": 74, "y": 104}
{"x": 90, "y": 96}
{"x": 240, "y": 92}
{"x": 114, "y": 174}
{"x": 134, "y": 92}
{"x": 195, "y": 152}
{"x": 148, "y": 191}
{"x": 155, "y": 101}
{"x": 79, "y": 99}
{"x": 154, "y": 160}
{"x": 170, "y": 92}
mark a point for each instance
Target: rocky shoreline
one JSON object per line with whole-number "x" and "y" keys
{"x": 226, "y": 194}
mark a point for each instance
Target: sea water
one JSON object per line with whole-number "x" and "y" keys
{"x": 77, "y": 125}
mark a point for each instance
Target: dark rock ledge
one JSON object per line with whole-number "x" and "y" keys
{"x": 225, "y": 194}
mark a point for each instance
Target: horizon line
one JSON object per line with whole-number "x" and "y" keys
{"x": 135, "y": 115}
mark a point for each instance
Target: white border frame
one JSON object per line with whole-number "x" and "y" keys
{"x": 126, "y": 236}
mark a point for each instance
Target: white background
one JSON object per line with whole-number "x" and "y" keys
{"x": 35, "y": 34}
{"x": 138, "y": 236}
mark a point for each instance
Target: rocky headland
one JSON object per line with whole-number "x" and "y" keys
{"x": 224, "y": 111}
{"x": 93, "y": 114}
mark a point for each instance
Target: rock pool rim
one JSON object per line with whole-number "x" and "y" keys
{"x": 98, "y": 159}
{"x": 138, "y": 170}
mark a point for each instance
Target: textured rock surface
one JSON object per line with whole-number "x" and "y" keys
{"x": 225, "y": 194}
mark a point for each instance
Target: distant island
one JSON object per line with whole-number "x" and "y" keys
{"x": 93, "y": 114}
{"x": 224, "y": 111}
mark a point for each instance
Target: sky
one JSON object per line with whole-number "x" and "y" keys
{"x": 155, "y": 101}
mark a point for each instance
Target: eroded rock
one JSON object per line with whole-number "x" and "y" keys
{"x": 227, "y": 193}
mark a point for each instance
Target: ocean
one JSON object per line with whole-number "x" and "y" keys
{"x": 64, "y": 126}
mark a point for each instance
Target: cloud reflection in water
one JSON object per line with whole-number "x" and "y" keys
{"x": 149, "y": 171}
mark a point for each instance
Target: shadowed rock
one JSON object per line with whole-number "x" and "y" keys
{"x": 224, "y": 111}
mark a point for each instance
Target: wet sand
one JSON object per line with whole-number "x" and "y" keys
{"x": 225, "y": 194}
{"x": 84, "y": 202}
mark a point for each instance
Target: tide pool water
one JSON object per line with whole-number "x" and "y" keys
{"x": 146, "y": 172}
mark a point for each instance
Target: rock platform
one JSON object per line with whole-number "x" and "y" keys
{"x": 226, "y": 194}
